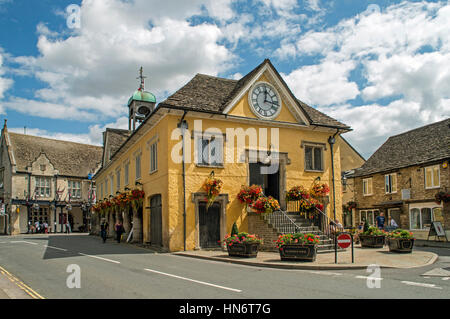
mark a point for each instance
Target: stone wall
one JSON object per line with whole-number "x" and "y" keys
{"x": 258, "y": 226}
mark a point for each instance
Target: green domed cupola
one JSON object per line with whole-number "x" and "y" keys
{"x": 141, "y": 104}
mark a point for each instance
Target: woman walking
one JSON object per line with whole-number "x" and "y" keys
{"x": 119, "y": 230}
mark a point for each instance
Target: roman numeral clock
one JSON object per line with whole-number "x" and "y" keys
{"x": 264, "y": 101}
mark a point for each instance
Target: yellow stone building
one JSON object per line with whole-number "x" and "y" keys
{"x": 247, "y": 131}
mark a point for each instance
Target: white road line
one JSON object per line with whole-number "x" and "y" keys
{"x": 23, "y": 241}
{"x": 196, "y": 281}
{"x": 420, "y": 284}
{"x": 47, "y": 246}
{"x": 327, "y": 273}
{"x": 446, "y": 278}
{"x": 367, "y": 277}
{"x": 105, "y": 259}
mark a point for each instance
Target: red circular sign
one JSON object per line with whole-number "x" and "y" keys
{"x": 344, "y": 240}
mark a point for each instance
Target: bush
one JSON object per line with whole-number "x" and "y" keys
{"x": 374, "y": 231}
{"x": 297, "y": 238}
{"x": 242, "y": 238}
{"x": 234, "y": 229}
{"x": 401, "y": 233}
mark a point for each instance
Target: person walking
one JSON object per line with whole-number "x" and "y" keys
{"x": 380, "y": 221}
{"x": 104, "y": 229}
{"x": 119, "y": 230}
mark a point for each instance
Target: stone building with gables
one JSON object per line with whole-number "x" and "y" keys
{"x": 403, "y": 177}
{"x": 45, "y": 180}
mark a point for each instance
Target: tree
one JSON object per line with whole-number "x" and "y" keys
{"x": 234, "y": 229}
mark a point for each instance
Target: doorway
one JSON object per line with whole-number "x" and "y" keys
{"x": 156, "y": 220}
{"x": 209, "y": 225}
{"x": 270, "y": 183}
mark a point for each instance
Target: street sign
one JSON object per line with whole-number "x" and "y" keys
{"x": 344, "y": 240}
{"x": 437, "y": 230}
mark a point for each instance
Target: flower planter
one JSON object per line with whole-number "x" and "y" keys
{"x": 298, "y": 252}
{"x": 401, "y": 245}
{"x": 243, "y": 250}
{"x": 370, "y": 241}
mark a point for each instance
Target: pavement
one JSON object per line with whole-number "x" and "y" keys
{"x": 13, "y": 288}
{"x": 432, "y": 243}
{"x": 363, "y": 257}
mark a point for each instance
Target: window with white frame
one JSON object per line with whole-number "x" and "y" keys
{"x": 420, "y": 218}
{"x": 154, "y": 157}
{"x": 118, "y": 180}
{"x": 126, "y": 173}
{"x": 137, "y": 162}
{"x": 42, "y": 186}
{"x": 432, "y": 177}
{"x": 367, "y": 186}
{"x": 313, "y": 158}
{"x": 368, "y": 216}
{"x": 210, "y": 150}
{"x": 74, "y": 188}
{"x": 390, "y": 183}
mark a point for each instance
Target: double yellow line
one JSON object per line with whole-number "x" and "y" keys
{"x": 20, "y": 284}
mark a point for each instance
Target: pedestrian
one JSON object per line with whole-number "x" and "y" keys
{"x": 119, "y": 230}
{"x": 104, "y": 229}
{"x": 68, "y": 228}
{"x": 380, "y": 220}
{"x": 45, "y": 227}
{"x": 36, "y": 226}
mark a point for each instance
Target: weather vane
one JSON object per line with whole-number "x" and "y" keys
{"x": 142, "y": 78}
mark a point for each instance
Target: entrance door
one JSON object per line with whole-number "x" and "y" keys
{"x": 270, "y": 183}
{"x": 156, "y": 221}
{"x": 209, "y": 225}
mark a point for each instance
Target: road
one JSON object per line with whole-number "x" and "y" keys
{"x": 112, "y": 270}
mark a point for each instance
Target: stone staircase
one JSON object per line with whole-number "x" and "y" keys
{"x": 292, "y": 222}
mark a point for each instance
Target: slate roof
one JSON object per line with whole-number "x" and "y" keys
{"x": 419, "y": 146}
{"x": 212, "y": 94}
{"x": 69, "y": 158}
{"x": 116, "y": 137}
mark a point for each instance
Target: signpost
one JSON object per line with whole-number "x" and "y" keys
{"x": 437, "y": 230}
{"x": 344, "y": 240}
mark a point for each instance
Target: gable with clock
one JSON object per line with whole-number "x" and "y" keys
{"x": 264, "y": 100}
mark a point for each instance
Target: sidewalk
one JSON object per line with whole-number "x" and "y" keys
{"x": 325, "y": 261}
{"x": 432, "y": 243}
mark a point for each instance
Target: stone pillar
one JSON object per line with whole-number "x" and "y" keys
{"x": 137, "y": 225}
{"x": 111, "y": 223}
{"x": 446, "y": 215}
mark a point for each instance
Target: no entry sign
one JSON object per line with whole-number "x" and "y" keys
{"x": 344, "y": 240}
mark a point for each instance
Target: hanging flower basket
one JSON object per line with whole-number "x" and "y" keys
{"x": 136, "y": 198}
{"x": 248, "y": 194}
{"x": 213, "y": 187}
{"x": 265, "y": 205}
{"x": 442, "y": 197}
{"x": 297, "y": 193}
{"x": 319, "y": 190}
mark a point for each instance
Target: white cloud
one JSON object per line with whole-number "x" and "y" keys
{"x": 402, "y": 54}
{"x": 91, "y": 73}
{"x": 5, "y": 83}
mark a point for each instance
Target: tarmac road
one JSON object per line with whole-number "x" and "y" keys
{"x": 109, "y": 271}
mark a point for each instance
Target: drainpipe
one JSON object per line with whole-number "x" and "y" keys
{"x": 332, "y": 141}
{"x": 183, "y": 126}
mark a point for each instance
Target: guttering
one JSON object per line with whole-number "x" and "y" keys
{"x": 332, "y": 141}
{"x": 183, "y": 126}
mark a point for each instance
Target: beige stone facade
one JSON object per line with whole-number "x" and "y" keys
{"x": 45, "y": 180}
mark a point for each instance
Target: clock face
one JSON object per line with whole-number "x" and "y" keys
{"x": 265, "y": 101}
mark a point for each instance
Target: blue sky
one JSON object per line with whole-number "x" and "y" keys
{"x": 379, "y": 66}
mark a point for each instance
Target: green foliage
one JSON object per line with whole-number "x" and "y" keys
{"x": 366, "y": 227}
{"x": 234, "y": 229}
{"x": 374, "y": 231}
{"x": 401, "y": 233}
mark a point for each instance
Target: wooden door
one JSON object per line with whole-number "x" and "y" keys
{"x": 209, "y": 225}
{"x": 156, "y": 221}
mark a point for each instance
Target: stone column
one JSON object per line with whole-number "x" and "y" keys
{"x": 126, "y": 221}
{"x": 137, "y": 225}
{"x": 111, "y": 223}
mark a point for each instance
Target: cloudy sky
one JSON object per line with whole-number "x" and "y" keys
{"x": 382, "y": 67}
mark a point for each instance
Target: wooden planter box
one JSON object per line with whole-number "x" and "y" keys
{"x": 370, "y": 241}
{"x": 243, "y": 250}
{"x": 298, "y": 252}
{"x": 401, "y": 245}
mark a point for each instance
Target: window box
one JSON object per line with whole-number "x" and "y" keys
{"x": 298, "y": 252}
{"x": 247, "y": 250}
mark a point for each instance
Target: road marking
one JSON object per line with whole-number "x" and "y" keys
{"x": 20, "y": 284}
{"x": 367, "y": 277}
{"x": 23, "y": 241}
{"x": 47, "y": 246}
{"x": 105, "y": 259}
{"x": 446, "y": 278}
{"x": 328, "y": 273}
{"x": 196, "y": 281}
{"x": 420, "y": 284}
